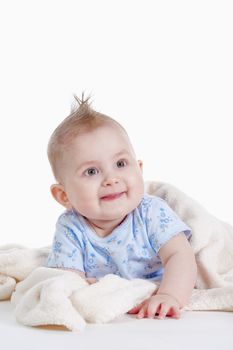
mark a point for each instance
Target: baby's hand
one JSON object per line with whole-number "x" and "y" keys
{"x": 159, "y": 304}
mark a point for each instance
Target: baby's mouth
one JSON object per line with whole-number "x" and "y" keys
{"x": 112, "y": 196}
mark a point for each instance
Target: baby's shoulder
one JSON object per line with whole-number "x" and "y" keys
{"x": 151, "y": 206}
{"x": 70, "y": 219}
{"x": 66, "y": 216}
{"x": 150, "y": 202}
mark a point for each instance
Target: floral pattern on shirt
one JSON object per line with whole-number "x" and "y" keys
{"x": 130, "y": 251}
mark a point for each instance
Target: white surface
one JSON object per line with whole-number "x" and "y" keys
{"x": 195, "y": 330}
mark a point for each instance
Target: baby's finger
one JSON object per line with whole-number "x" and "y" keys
{"x": 152, "y": 309}
{"x": 91, "y": 280}
{"x": 142, "y": 311}
{"x": 135, "y": 309}
{"x": 174, "y": 312}
{"x": 164, "y": 308}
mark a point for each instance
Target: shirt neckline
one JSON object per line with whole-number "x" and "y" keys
{"x": 89, "y": 231}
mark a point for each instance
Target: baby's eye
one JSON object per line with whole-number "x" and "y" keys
{"x": 91, "y": 172}
{"x": 121, "y": 163}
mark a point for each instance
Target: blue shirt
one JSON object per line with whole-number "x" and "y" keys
{"x": 130, "y": 250}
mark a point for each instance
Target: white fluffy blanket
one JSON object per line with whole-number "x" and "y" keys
{"x": 45, "y": 296}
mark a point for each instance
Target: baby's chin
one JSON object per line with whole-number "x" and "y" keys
{"x": 119, "y": 214}
{"x": 112, "y": 214}
{"x": 113, "y": 217}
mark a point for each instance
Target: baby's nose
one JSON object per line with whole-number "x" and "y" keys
{"x": 110, "y": 181}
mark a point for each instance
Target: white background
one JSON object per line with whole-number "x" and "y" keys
{"x": 161, "y": 68}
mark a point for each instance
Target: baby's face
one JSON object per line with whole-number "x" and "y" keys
{"x": 103, "y": 180}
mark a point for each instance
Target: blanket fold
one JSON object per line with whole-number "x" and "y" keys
{"x": 56, "y": 297}
{"x": 45, "y": 296}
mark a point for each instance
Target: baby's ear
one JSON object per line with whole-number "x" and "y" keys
{"x": 59, "y": 194}
{"x": 140, "y": 163}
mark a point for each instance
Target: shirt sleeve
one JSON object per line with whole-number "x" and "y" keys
{"x": 163, "y": 224}
{"x": 66, "y": 249}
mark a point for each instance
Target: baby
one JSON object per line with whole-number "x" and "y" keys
{"x": 110, "y": 225}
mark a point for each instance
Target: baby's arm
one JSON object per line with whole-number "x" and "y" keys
{"x": 178, "y": 281}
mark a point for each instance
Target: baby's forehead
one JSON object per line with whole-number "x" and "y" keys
{"x": 107, "y": 137}
{"x": 108, "y": 131}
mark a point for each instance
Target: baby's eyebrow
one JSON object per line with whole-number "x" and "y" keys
{"x": 124, "y": 151}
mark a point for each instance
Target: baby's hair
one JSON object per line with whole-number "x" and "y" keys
{"x": 81, "y": 120}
